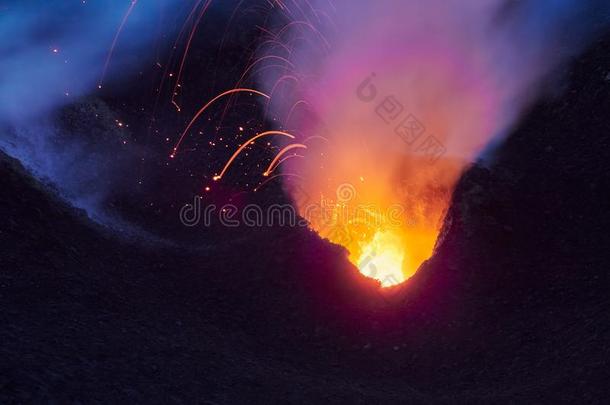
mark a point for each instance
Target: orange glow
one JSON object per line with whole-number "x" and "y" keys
{"x": 374, "y": 193}
{"x": 388, "y": 231}
{"x": 383, "y": 258}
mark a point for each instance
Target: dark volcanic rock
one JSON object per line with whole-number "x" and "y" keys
{"x": 512, "y": 307}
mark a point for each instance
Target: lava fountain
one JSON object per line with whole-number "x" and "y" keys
{"x": 393, "y": 100}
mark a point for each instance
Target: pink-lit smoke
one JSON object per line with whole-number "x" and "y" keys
{"x": 409, "y": 93}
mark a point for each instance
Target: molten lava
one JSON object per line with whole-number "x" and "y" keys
{"x": 395, "y": 111}
{"x": 383, "y": 258}
{"x": 388, "y": 229}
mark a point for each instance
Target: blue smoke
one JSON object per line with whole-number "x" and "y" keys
{"x": 51, "y": 54}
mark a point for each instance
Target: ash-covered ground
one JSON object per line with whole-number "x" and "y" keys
{"x": 512, "y": 307}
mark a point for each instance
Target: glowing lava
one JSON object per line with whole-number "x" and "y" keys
{"x": 383, "y": 259}
{"x": 389, "y": 231}
{"x": 395, "y": 99}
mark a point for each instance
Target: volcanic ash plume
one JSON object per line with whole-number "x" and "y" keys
{"x": 394, "y": 99}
